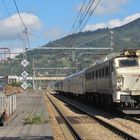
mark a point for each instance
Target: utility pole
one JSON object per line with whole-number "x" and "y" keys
{"x": 33, "y": 75}
{"x": 111, "y": 40}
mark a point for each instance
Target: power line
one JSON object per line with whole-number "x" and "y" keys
{"x": 81, "y": 21}
{"x": 26, "y": 29}
{"x": 90, "y": 15}
{"x": 77, "y": 16}
{"x": 83, "y": 17}
{"x": 14, "y": 26}
{"x": 19, "y": 14}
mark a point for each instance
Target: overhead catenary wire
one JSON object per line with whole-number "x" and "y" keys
{"x": 19, "y": 14}
{"x": 78, "y": 15}
{"x": 13, "y": 23}
{"x": 24, "y": 25}
{"x": 85, "y": 13}
{"x": 88, "y": 10}
{"x": 16, "y": 29}
{"x": 81, "y": 19}
{"x": 90, "y": 15}
{"x": 75, "y": 22}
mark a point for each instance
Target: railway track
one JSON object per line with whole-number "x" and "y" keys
{"x": 72, "y": 130}
{"x": 119, "y": 131}
{"x": 134, "y": 119}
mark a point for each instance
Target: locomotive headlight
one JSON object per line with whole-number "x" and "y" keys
{"x": 119, "y": 80}
{"x": 119, "y": 83}
{"x": 119, "y": 87}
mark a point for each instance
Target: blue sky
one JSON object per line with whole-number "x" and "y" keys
{"x": 52, "y": 19}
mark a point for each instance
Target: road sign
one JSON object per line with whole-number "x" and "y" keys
{"x": 24, "y": 85}
{"x": 24, "y": 74}
{"x": 24, "y": 63}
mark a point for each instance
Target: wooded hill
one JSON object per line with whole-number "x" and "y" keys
{"x": 126, "y": 36}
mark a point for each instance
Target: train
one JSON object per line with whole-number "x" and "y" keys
{"x": 114, "y": 82}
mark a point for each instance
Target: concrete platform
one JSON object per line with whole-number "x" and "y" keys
{"x": 28, "y": 103}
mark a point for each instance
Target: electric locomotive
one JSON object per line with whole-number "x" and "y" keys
{"x": 115, "y": 81}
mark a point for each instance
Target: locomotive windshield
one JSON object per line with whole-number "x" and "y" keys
{"x": 128, "y": 63}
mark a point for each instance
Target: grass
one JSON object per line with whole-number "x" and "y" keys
{"x": 34, "y": 119}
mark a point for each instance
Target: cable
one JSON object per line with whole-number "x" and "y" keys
{"x": 26, "y": 29}
{"x": 19, "y": 14}
{"x": 77, "y": 16}
{"x": 90, "y": 15}
{"x": 15, "y": 28}
{"x": 89, "y": 8}
{"x": 81, "y": 19}
{"x": 83, "y": 16}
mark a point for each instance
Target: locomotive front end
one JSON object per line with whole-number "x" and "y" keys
{"x": 126, "y": 80}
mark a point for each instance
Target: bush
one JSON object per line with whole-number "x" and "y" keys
{"x": 16, "y": 84}
{"x": 34, "y": 119}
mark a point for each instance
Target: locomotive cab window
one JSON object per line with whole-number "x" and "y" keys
{"x": 103, "y": 72}
{"x": 100, "y": 73}
{"x": 96, "y": 73}
{"x": 106, "y": 71}
{"x": 92, "y": 74}
{"x": 128, "y": 63}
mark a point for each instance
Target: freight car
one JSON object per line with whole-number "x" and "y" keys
{"x": 112, "y": 82}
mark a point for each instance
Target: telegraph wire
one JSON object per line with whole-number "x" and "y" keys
{"x": 77, "y": 16}
{"x": 17, "y": 30}
{"x": 83, "y": 17}
{"x": 75, "y": 22}
{"x": 14, "y": 26}
{"x": 88, "y": 9}
{"x": 90, "y": 15}
{"x": 26, "y": 29}
{"x": 19, "y": 14}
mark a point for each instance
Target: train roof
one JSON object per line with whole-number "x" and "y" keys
{"x": 122, "y": 53}
{"x": 76, "y": 74}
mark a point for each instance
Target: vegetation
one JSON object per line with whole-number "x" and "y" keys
{"x": 16, "y": 84}
{"x": 126, "y": 36}
{"x": 34, "y": 119}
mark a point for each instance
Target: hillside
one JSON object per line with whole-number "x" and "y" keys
{"x": 126, "y": 36}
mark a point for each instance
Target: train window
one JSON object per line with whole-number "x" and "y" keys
{"x": 92, "y": 74}
{"x": 96, "y": 73}
{"x": 89, "y": 75}
{"x": 106, "y": 71}
{"x": 111, "y": 66}
{"x": 100, "y": 71}
{"x": 103, "y": 73}
{"x": 86, "y": 76}
{"x": 128, "y": 63}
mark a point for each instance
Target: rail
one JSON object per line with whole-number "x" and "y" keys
{"x": 76, "y": 135}
{"x": 134, "y": 119}
{"x": 112, "y": 127}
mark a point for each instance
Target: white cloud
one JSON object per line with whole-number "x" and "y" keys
{"x": 110, "y": 6}
{"x": 54, "y": 33}
{"x": 112, "y": 23}
{"x": 106, "y": 7}
{"x": 95, "y": 26}
{"x": 7, "y": 29}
